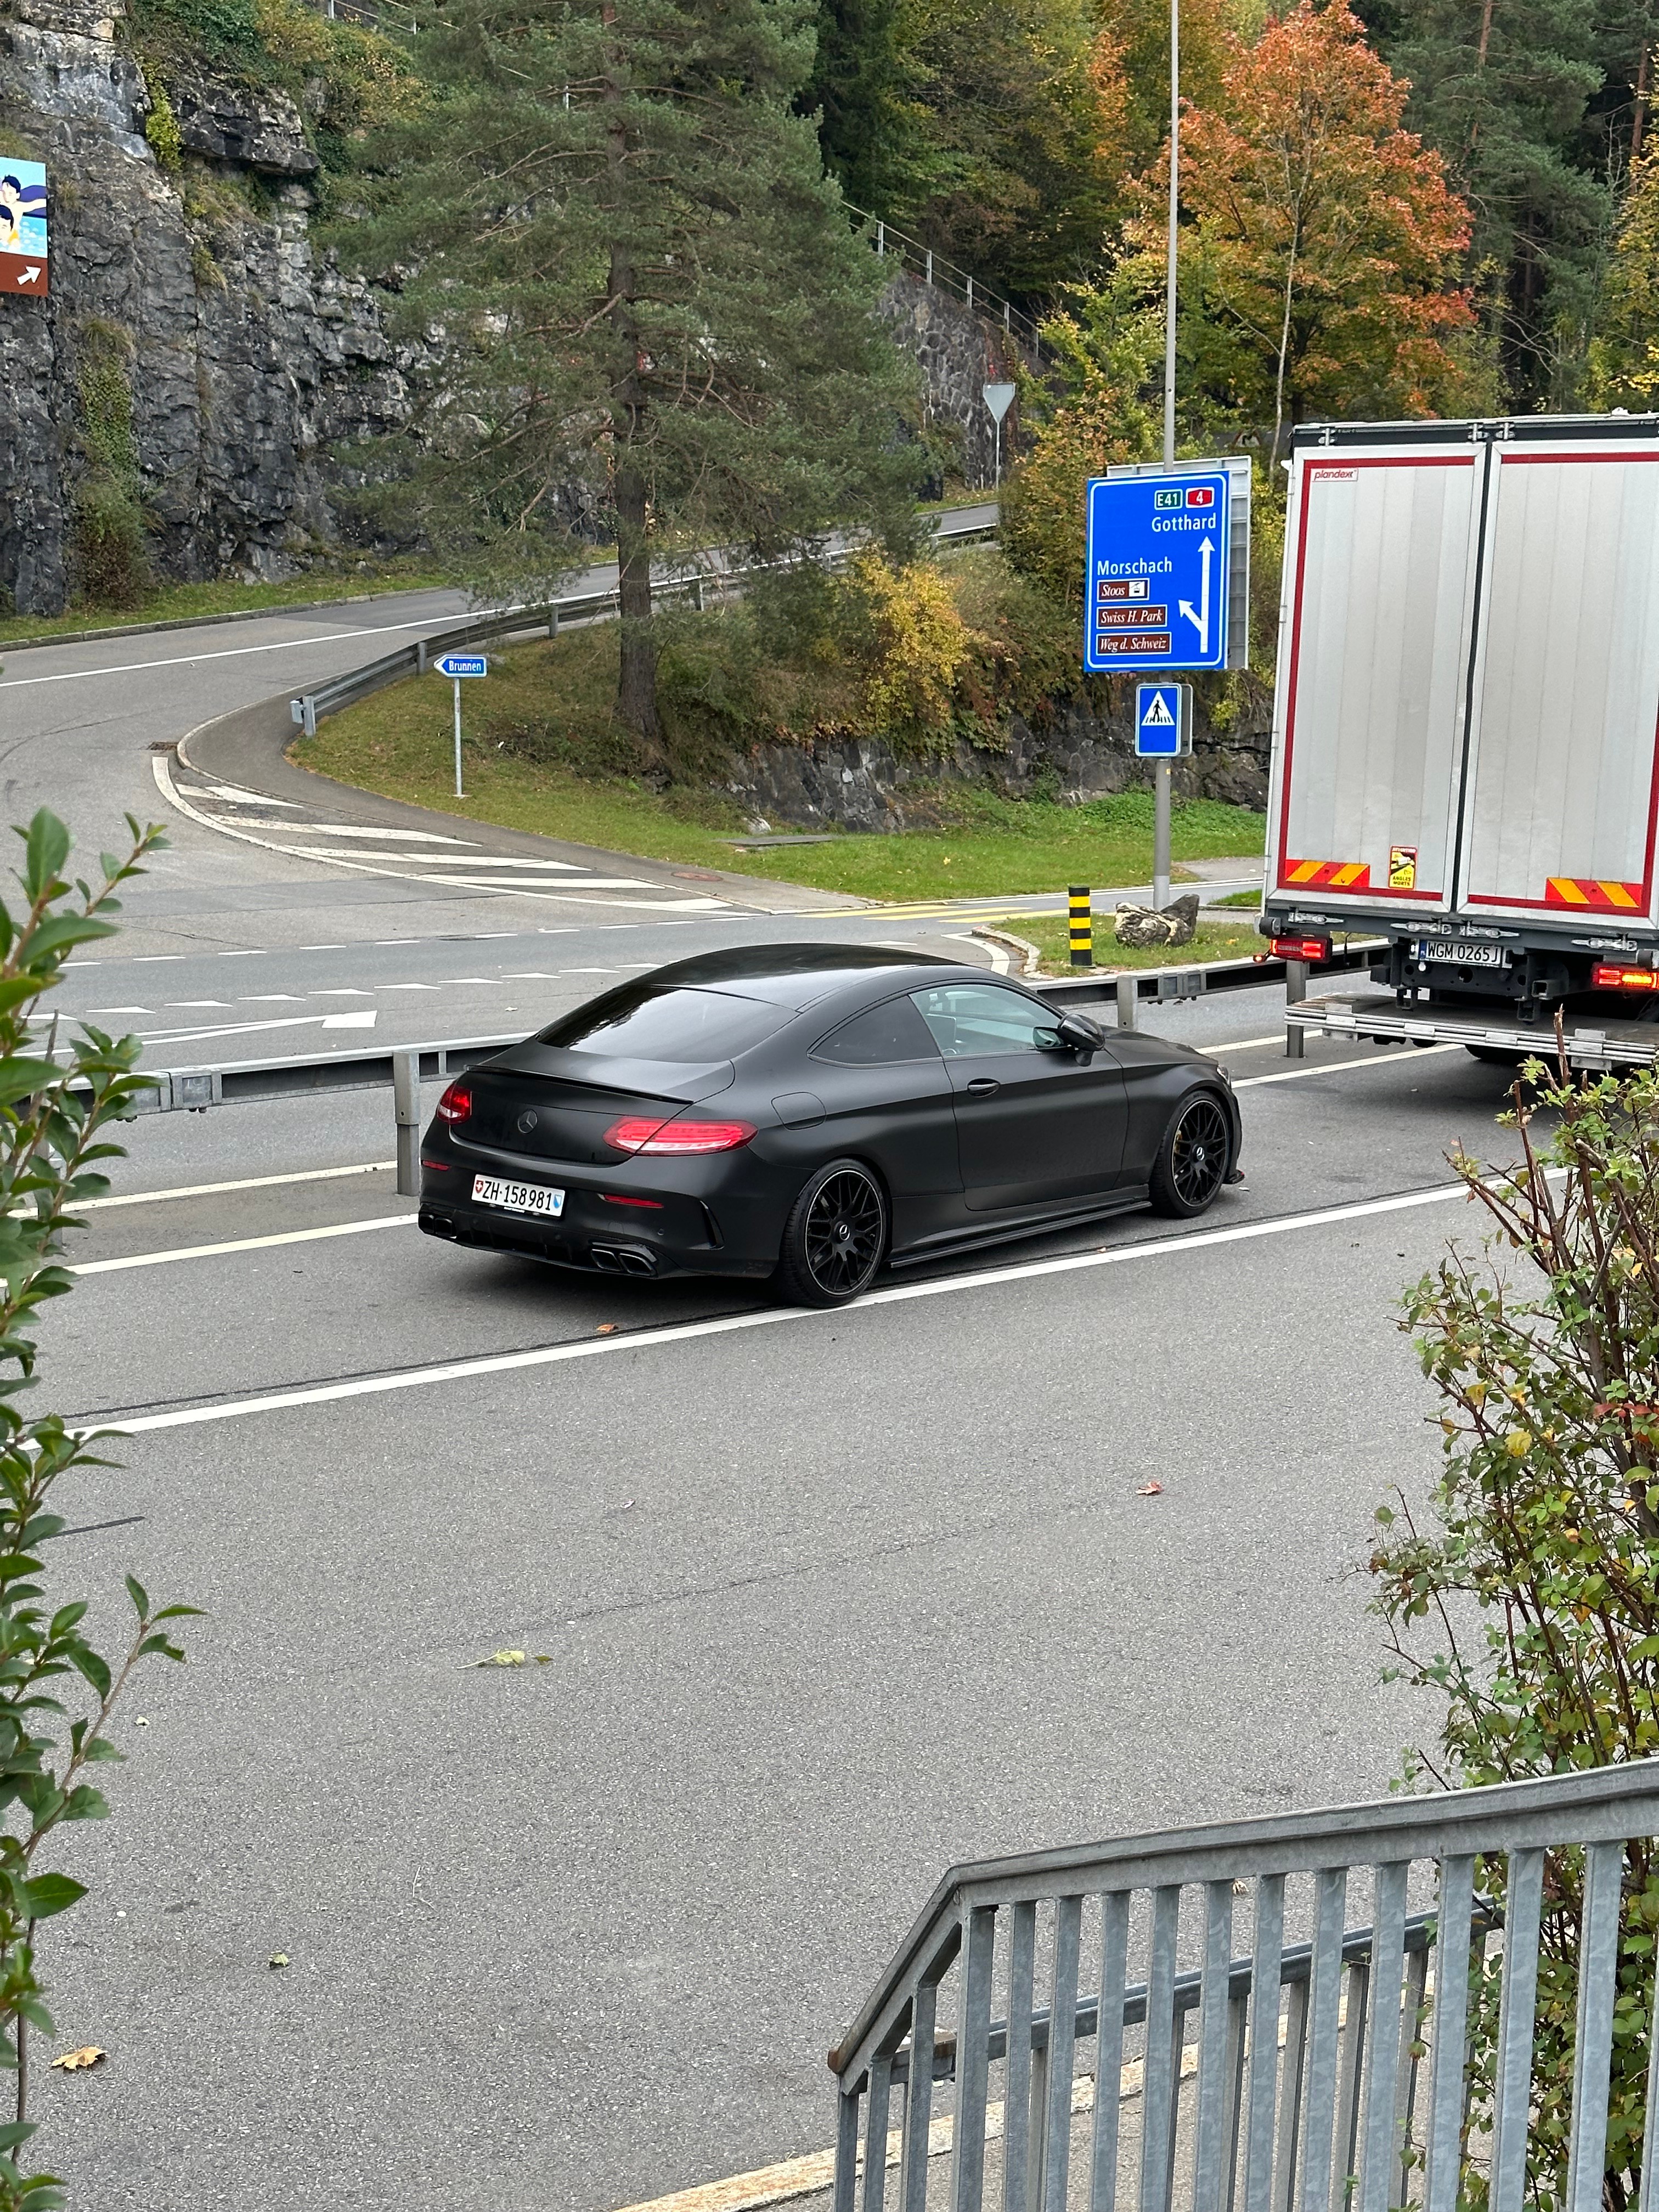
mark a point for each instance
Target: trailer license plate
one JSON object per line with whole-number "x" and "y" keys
{"x": 1451, "y": 954}
{"x": 516, "y": 1197}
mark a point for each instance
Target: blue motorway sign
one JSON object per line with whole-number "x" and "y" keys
{"x": 1156, "y": 572}
{"x": 1160, "y": 721}
{"x": 462, "y": 664}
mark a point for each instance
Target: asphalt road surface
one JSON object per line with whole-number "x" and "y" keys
{"x": 814, "y": 1603}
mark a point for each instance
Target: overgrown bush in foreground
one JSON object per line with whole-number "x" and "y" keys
{"x": 1535, "y": 1580}
{"x": 54, "y": 1108}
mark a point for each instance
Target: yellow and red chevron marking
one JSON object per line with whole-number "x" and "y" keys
{"x": 1328, "y": 875}
{"x": 1591, "y": 891}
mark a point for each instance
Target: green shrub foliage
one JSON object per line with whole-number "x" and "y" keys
{"x": 1527, "y": 1599}
{"x": 57, "y": 1690}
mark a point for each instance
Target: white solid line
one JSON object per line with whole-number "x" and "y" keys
{"x": 233, "y": 653}
{"x": 242, "y": 1244}
{"x": 1346, "y": 1067}
{"x": 465, "y": 1371}
{"x": 243, "y": 1182}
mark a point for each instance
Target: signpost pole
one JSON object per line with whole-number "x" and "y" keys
{"x": 459, "y": 794}
{"x": 1161, "y": 769}
{"x": 1160, "y": 834}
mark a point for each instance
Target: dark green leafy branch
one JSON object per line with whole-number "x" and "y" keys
{"x": 57, "y": 1101}
{"x": 1528, "y": 1599}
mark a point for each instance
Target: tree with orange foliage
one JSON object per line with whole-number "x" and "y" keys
{"x": 1320, "y": 246}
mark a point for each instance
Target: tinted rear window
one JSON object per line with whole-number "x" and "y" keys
{"x": 891, "y": 1032}
{"x": 638, "y": 1023}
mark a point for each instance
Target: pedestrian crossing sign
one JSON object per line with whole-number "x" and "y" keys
{"x": 1163, "y": 721}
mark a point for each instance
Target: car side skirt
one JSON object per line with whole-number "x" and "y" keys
{"x": 948, "y": 1246}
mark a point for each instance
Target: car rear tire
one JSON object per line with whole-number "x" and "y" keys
{"x": 836, "y": 1237}
{"x": 1194, "y": 1157}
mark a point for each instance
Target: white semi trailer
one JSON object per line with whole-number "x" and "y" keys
{"x": 1465, "y": 730}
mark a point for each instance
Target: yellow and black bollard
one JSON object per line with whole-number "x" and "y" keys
{"x": 1083, "y": 928}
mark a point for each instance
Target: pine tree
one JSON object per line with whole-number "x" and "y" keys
{"x": 858, "y": 91}
{"x": 1503, "y": 89}
{"x": 654, "y": 316}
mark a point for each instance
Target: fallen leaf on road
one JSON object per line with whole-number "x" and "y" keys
{"x": 501, "y": 1659}
{"x": 279, "y": 1959}
{"x": 1150, "y": 1490}
{"x": 75, "y": 2062}
{"x": 606, "y": 1328}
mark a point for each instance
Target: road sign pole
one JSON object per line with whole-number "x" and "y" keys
{"x": 1160, "y": 834}
{"x": 459, "y": 794}
{"x": 1175, "y": 203}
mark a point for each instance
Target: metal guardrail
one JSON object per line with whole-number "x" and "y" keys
{"x": 933, "y": 269}
{"x": 1309, "y": 2063}
{"x": 547, "y": 617}
{"x": 404, "y": 1068}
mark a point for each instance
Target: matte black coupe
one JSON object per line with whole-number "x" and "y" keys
{"x": 811, "y": 1113}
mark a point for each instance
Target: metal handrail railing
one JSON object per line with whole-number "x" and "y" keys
{"x": 1310, "y": 2100}
{"x": 935, "y": 269}
{"x": 549, "y": 616}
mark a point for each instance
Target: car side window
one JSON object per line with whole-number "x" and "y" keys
{"x": 892, "y": 1031}
{"x": 972, "y": 1018}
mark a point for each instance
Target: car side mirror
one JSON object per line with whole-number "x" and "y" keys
{"x": 1076, "y": 1033}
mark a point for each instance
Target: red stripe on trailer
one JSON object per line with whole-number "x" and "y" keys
{"x": 1336, "y": 459}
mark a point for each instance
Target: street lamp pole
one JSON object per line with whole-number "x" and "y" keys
{"x": 1161, "y": 769}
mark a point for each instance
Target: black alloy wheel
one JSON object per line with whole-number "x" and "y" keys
{"x": 835, "y": 1236}
{"x": 1193, "y": 1158}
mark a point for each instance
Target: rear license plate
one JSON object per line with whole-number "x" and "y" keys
{"x": 1451, "y": 954}
{"x": 516, "y": 1197}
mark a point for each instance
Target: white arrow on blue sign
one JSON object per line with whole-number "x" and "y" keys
{"x": 1157, "y": 550}
{"x": 462, "y": 664}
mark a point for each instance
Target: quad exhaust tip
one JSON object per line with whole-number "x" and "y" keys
{"x": 623, "y": 1260}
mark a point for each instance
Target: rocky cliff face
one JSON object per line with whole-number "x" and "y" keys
{"x": 248, "y": 356}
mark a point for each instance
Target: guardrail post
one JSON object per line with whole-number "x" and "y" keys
{"x": 308, "y": 715}
{"x": 406, "y": 1107}
{"x": 1127, "y": 996}
{"x": 420, "y": 656}
{"x": 553, "y": 619}
{"x": 1295, "y": 990}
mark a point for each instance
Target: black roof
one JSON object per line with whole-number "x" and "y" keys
{"x": 789, "y": 975}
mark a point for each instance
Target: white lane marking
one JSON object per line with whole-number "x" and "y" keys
{"x": 242, "y": 1244}
{"x": 464, "y": 1371}
{"x": 363, "y": 1020}
{"x": 219, "y": 1005}
{"x": 1346, "y": 1067}
{"x": 229, "y": 793}
{"x": 410, "y": 986}
{"x": 117, "y": 1010}
{"x": 271, "y": 998}
{"x": 340, "y": 993}
{"x": 449, "y": 859}
{"x": 400, "y": 837}
{"x": 243, "y": 1182}
{"x": 233, "y": 653}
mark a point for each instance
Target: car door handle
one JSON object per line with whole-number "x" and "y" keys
{"x": 983, "y": 1086}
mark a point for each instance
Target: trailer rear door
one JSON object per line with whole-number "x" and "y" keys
{"x": 1564, "y": 765}
{"x": 1372, "y": 673}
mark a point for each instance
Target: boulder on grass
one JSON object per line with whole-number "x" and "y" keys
{"x": 1144, "y": 928}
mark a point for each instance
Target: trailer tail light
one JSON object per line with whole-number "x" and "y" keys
{"x": 1302, "y": 948}
{"x": 456, "y": 1104}
{"x": 1605, "y": 978}
{"x": 638, "y": 1134}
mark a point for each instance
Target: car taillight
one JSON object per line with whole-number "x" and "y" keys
{"x": 1302, "y": 948}
{"x": 1606, "y": 978}
{"x": 636, "y": 1133}
{"x": 456, "y": 1104}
